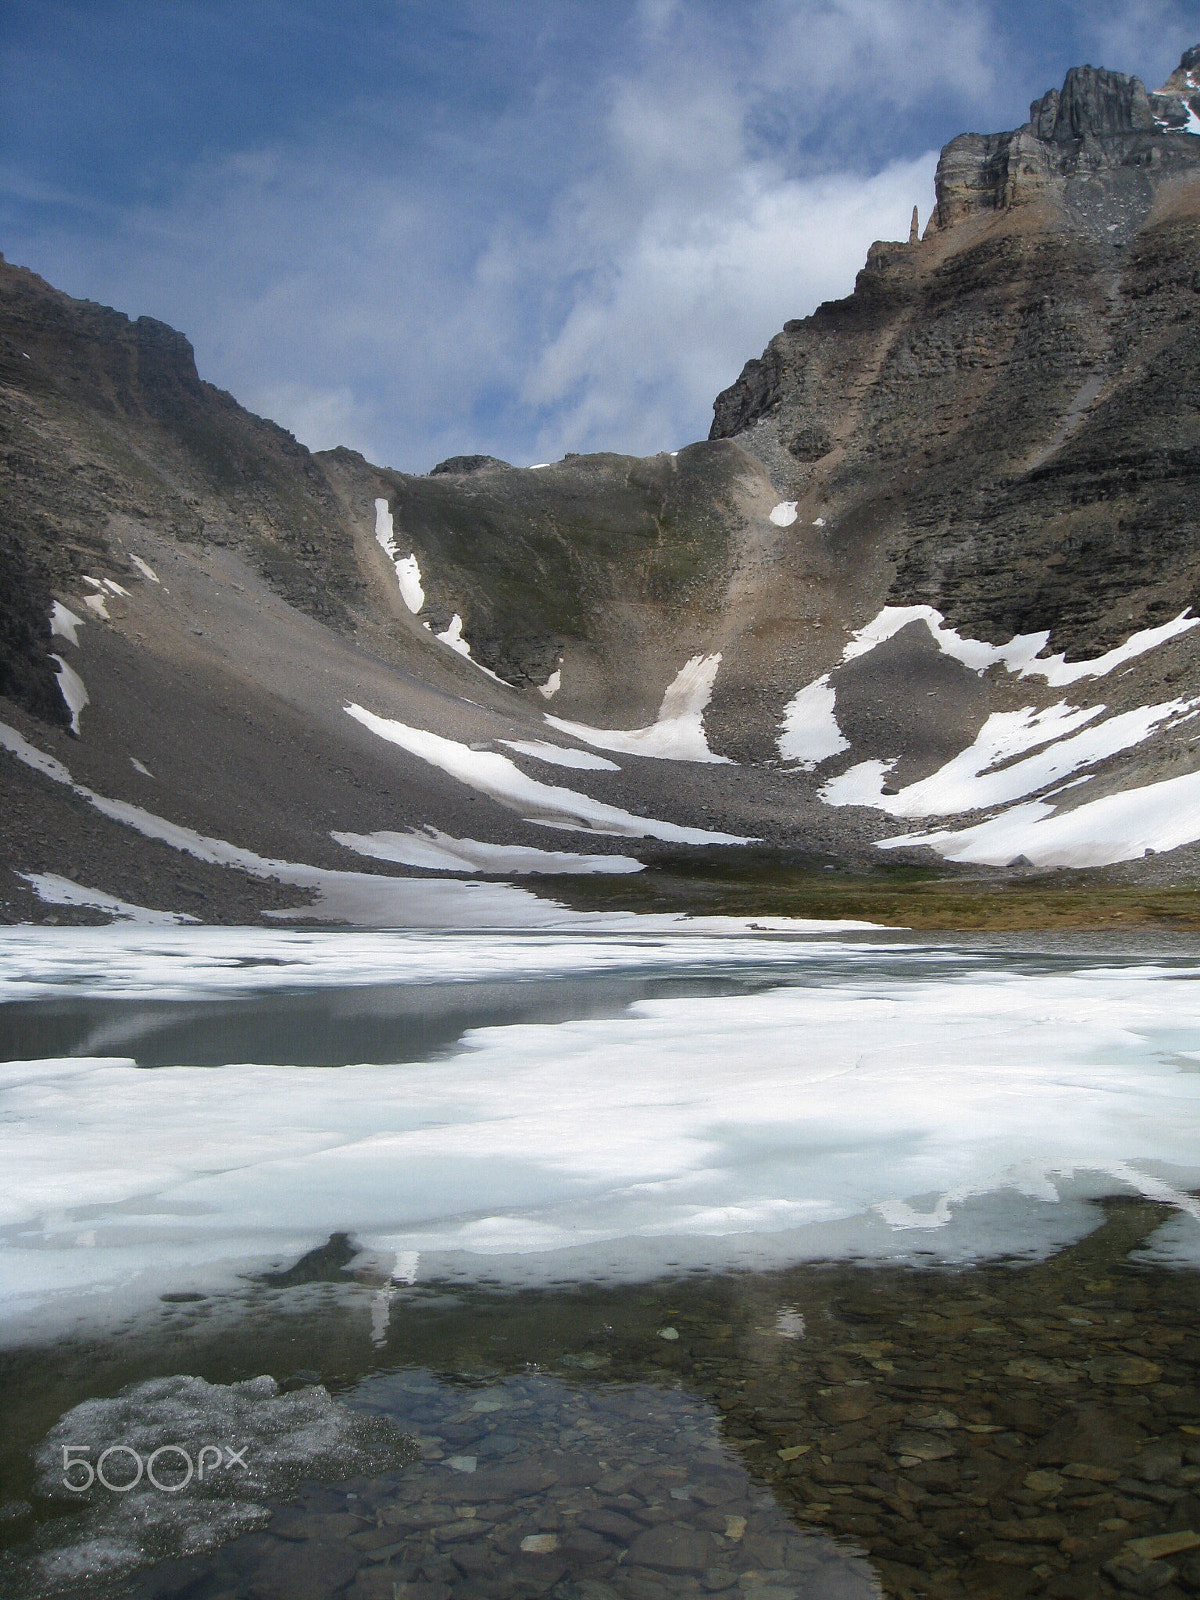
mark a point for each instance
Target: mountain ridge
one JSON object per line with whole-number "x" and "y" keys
{"x": 983, "y": 462}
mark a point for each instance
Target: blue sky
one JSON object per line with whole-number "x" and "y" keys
{"x": 420, "y": 227}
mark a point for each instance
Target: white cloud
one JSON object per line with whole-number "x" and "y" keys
{"x": 583, "y": 268}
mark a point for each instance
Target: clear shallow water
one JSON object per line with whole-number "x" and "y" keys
{"x": 234, "y": 1153}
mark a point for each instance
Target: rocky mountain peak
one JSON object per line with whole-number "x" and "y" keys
{"x": 1092, "y": 103}
{"x": 1097, "y": 149}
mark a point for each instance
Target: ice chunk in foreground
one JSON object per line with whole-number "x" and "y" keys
{"x": 64, "y": 624}
{"x": 277, "y": 1441}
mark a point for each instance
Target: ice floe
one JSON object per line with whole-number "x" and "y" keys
{"x": 408, "y": 572}
{"x": 677, "y": 734}
{"x": 784, "y": 514}
{"x": 1116, "y": 827}
{"x": 987, "y": 773}
{"x": 64, "y": 624}
{"x": 72, "y": 689}
{"x": 429, "y": 847}
{"x": 144, "y": 567}
{"x": 495, "y": 775}
{"x": 559, "y": 755}
{"x": 883, "y": 1108}
{"x": 55, "y": 890}
{"x": 810, "y": 732}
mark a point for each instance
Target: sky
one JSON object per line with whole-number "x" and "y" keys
{"x": 518, "y": 227}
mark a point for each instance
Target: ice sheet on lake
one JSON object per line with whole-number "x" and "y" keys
{"x": 677, "y": 733}
{"x": 1117, "y": 827}
{"x": 988, "y": 772}
{"x": 810, "y": 732}
{"x": 559, "y": 755}
{"x": 72, "y": 689}
{"x": 882, "y": 1114}
{"x": 54, "y": 890}
{"x": 495, "y": 775}
{"x": 210, "y": 962}
{"x": 431, "y": 848}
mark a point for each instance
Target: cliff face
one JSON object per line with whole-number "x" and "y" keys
{"x": 102, "y": 417}
{"x": 1012, "y": 402}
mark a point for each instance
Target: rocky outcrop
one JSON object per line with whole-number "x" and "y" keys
{"x": 1008, "y": 411}
{"x": 104, "y": 419}
{"x": 1101, "y": 128}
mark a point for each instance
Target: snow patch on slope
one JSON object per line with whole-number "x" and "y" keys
{"x": 502, "y": 780}
{"x": 64, "y": 624}
{"x": 810, "y": 732}
{"x": 408, "y": 572}
{"x": 559, "y": 755}
{"x": 144, "y": 567}
{"x": 677, "y": 734}
{"x": 1020, "y": 654}
{"x": 54, "y": 890}
{"x": 977, "y": 778}
{"x": 429, "y": 847}
{"x": 71, "y": 686}
{"x": 1117, "y": 827}
{"x": 784, "y": 514}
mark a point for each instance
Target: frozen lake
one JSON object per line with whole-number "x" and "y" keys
{"x": 687, "y": 1258}
{"x": 179, "y": 1108}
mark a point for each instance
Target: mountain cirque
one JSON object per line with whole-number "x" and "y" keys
{"x": 929, "y": 579}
